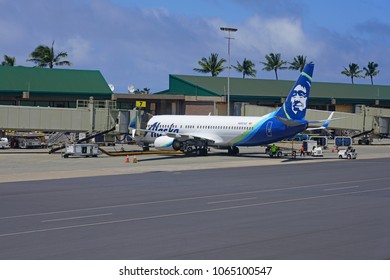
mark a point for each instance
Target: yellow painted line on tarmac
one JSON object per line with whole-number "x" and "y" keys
{"x": 131, "y": 153}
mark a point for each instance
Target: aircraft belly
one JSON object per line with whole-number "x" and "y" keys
{"x": 267, "y": 134}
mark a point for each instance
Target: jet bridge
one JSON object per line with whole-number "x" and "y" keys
{"x": 375, "y": 121}
{"x": 89, "y": 116}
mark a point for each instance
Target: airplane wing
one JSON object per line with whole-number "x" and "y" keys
{"x": 288, "y": 122}
{"x": 326, "y": 123}
{"x": 317, "y": 128}
{"x": 182, "y": 137}
{"x": 210, "y": 138}
{"x": 324, "y": 126}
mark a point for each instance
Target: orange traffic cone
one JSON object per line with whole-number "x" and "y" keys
{"x": 127, "y": 159}
{"x": 135, "y": 159}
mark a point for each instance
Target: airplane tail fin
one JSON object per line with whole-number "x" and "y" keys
{"x": 133, "y": 119}
{"x": 294, "y": 107}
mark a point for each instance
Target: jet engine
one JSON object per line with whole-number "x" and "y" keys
{"x": 166, "y": 143}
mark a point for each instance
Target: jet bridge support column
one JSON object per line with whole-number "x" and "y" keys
{"x": 91, "y": 109}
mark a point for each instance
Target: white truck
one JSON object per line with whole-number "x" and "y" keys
{"x": 4, "y": 144}
{"x": 311, "y": 149}
{"x": 349, "y": 153}
{"x": 29, "y": 142}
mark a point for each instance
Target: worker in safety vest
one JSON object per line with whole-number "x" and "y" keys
{"x": 273, "y": 149}
{"x": 302, "y": 149}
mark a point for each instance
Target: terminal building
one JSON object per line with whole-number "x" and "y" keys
{"x": 359, "y": 107}
{"x": 199, "y": 95}
{"x": 205, "y": 94}
{"x": 44, "y": 87}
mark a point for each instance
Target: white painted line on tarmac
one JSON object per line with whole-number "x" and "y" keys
{"x": 342, "y": 188}
{"x": 75, "y": 218}
{"x": 231, "y": 200}
{"x": 191, "y": 212}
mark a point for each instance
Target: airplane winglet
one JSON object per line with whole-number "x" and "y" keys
{"x": 326, "y": 123}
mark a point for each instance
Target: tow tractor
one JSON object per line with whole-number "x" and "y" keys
{"x": 349, "y": 153}
{"x": 4, "y": 144}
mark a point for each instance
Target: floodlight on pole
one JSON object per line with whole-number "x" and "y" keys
{"x": 228, "y": 29}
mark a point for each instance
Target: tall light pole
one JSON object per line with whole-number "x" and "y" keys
{"x": 228, "y": 29}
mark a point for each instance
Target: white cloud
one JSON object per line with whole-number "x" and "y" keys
{"x": 258, "y": 36}
{"x": 142, "y": 46}
{"x": 158, "y": 13}
{"x": 280, "y": 35}
{"x": 79, "y": 50}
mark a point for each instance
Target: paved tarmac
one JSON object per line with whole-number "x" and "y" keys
{"x": 175, "y": 207}
{"x": 37, "y": 164}
{"x": 327, "y": 210}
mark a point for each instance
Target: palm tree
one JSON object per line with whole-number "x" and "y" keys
{"x": 246, "y": 68}
{"x": 371, "y": 70}
{"x": 211, "y": 65}
{"x": 8, "y": 61}
{"x": 353, "y": 71}
{"x": 299, "y": 63}
{"x": 44, "y": 56}
{"x": 274, "y": 62}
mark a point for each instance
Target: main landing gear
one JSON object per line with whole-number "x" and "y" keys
{"x": 198, "y": 151}
{"x": 197, "y": 148}
{"x": 233, "y": 151}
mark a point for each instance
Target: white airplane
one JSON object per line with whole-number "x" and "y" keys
{"x": 194, "y": 134}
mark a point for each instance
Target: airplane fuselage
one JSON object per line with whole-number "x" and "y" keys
{"x": 223, "y": 130}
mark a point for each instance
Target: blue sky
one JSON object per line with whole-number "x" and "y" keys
{"x": 134, "y": 42}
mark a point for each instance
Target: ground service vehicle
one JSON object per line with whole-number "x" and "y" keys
{"x": 349, "y": 153}
{"x": 322, "y": 141}
{"x": 4, "y": 144}
{"x": 29, "y": 142}
{"x": 81, "y": 150}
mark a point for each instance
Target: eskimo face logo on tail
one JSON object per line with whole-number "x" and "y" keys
{"x": 294, "y": 108}
{"x": 298, "y": 99}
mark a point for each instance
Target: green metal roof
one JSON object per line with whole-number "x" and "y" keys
{"x": 260, "y": 89}
{"x": 16, "y": 79}
{"x": 191, "y": 85}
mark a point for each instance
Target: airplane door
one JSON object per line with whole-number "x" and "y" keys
{"x": 268, "y": 129}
